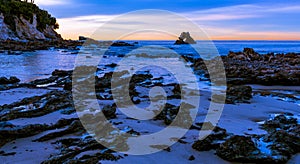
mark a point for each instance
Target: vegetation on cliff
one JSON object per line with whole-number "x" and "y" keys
{"x": 16, "y": 8}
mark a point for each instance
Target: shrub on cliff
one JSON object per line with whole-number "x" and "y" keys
{"x": 15, "y": 8}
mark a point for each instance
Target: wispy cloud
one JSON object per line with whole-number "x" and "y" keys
{"x": 52, "y": 2}
{"x": 212, "y": 20}
{"x": 240, "y": 12}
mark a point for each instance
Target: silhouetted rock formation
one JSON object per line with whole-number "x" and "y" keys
{"x": 185, "y": 38}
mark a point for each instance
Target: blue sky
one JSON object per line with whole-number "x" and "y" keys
{"x": 222, "y": 19}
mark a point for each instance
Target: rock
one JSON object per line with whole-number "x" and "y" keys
{"x": 82, "y": 38}
{"x": 281, "y": 122}
{"x": 120, "y": 44}
{"x": 212, "y": 141}
{"x": 14, "y": 79}
{"x": 4, "y": 80}
{"x": 70, "y": 148}
{"x": 109, "y": 111}
{"x": 185, "y": 38}
{"x": 38, "y": 105}
{"x": 191, "y": 158}
{"x": 19, "y": 46}
{"x": 284, "y": 134}
{"x": 176, "y": 91}
{"x": 61, "y": 73}
{"x": 180, "y": 41}
{"x": 11, "y": 80}
{"x": 138, "y": 78}
{"x": 238, "y": 149}
{"x": 170, "y": 112}
{"x": 238, "y": 94}
{"x": 74, "y": 127}
{"x": 112, "y": 65}
{"x": 249, "y": 67}
{"x": 68, "y": 86}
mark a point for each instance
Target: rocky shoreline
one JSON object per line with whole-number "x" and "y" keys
{"x": 50, "y": 119}
{"x": 280, "y": 130}
{"x": 250, "y": 67}
{"x": 13, "y": 46}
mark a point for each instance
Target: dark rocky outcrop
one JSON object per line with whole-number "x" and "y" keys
{"x": 185, "y": 38}
{"x": 120, "y": 44}
{"x": 250, "y": 67}
{"x": 11, "y": 80}
{"x": 278, "y": 146}
{"x": 238, "y": 94}
{"x": 238, "y": 148}
{"x": 171, "y": 112}
{"x": 212, "y": 141}
{"x": 12, "y": 47}
{"x": 234, "y": 94}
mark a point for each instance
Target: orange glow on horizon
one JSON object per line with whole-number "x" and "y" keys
{"x": 262, "y": 36}
{"x": 71, "y": 34}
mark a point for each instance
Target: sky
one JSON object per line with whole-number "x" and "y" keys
{"x": 219, "y": 19}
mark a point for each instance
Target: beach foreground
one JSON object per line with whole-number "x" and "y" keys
{"x": 39, "y": 123}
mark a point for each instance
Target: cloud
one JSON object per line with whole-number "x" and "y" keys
{"x": 240, "y": 12}
{"x": 71, "y": 28}
{"x": 219, "y": 23}
{"x": 52, "y": 2}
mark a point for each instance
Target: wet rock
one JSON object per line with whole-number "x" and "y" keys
{"x": 72, "y": 147}
{"x": 281, "y": 122}
{"x": 278, "y": 146}
{"x": 284, "y": 135}
{"x": 205, "y": 125}
{"x": 249, "y": 67}
{"x": 212, "y": 141}
{"x": 176, "y": 92}
{"x": 170, "y": 112}
{"x": 11, "y": 80}
{"x": 238, "y": 94}
{"x": 10, "y": 45}
{"x": 61, "y": 73}
{"x": 68, "y": 86}
{"x": 10, "y": 133}
{"x": 238, "y": 149}
{"x": 7, "y": 154}
{"x": 112, "y": 65}
{"x": 121, "y": 44}
{"x": 74, "y": 127}
{"x": 37, "y": 105}
{"x": 138, "y": 78}
{"x": 109, "y": 111}
{"x": 285, "y": 143}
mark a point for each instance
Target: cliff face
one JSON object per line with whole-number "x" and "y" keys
{"x": 17, "y": 24}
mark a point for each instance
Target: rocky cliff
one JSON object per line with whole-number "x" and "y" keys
{"x": 25, "y": 21}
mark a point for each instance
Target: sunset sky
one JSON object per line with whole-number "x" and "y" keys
{"x": 222, "y": 19}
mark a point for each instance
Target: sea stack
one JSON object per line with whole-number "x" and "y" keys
{"x": 185, "y": 38}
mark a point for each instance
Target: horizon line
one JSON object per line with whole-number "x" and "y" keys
{"x": 195, "y": 40}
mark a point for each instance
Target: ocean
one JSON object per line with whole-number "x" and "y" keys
{"x": 33, "y": 65}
